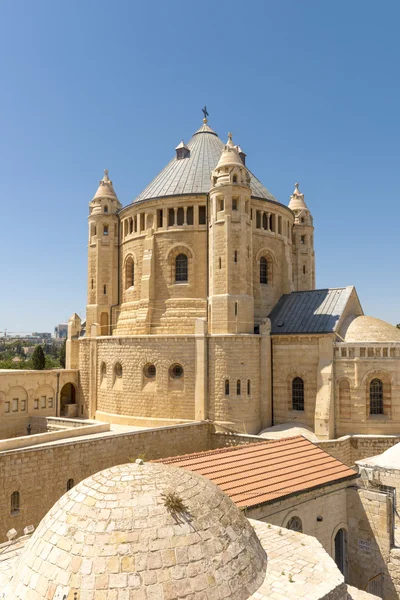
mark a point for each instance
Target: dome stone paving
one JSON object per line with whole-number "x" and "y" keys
{"x": 112, "y": 537}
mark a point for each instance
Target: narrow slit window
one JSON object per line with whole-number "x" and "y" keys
{"x": 226, "y": 387}
{"x": 263, "y": 270}
{"x": 298, "y": 394}
{"x": 238, "y": 390}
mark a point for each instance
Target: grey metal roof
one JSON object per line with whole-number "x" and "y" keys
{"x": 192, "y": 175}
{"x": 314, "y": 311}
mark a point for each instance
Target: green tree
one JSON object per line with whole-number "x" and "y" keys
{"x": 38, "y": 359}
{"x": 398, "y": 325}
{"x": 62, "y": 354}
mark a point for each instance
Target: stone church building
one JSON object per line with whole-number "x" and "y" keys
{"x": 202, "y": 305}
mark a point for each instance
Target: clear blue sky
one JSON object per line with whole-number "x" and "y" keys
{"x": 309, "y": 89}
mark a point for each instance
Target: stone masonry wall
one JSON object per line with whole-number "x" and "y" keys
{"x": 369, "y": 541}
{"x": 236, "y": 358}
{"x": 135, "y": 394}
{"x": 40, "y": 474}
{"x": 328, "y": 502}
{"x": 30, "y": 393}
{"x": 297, "y": 356}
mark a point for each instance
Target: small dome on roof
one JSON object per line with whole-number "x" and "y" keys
{"x": 149, "y": 529}
{"x": 230, "y": 155}
{"x": 370, "y": 329}
{"x": 297, "y": 202}
{"x": 105, "y": 189}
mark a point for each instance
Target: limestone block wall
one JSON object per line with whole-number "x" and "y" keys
{"x": 295, "y": 356}
{"x": 136, "y": 394}
{"x": 350, "y": 449}
{"x": 369, "y": 542}
{"x": 40, "y": 474}
{"x": 235, "y": 359}
{"x": 30, "y": 393}
{"x": 153, "y": 235}
{"x": 277, "y": 249}
{"x": 328, "y": 502}
{"x": 355, "y": 367}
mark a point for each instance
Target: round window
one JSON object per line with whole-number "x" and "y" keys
{"x": 118, "y": 370}
{"x": 176, "y": 371}
{"x": 150, "y": 371}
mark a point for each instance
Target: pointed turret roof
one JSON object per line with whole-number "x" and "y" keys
{"x": 193, "y": 174}
{"x": 105, "y": 189}
{"x": 297, "y": 200}
{"x": 230, "y": 154}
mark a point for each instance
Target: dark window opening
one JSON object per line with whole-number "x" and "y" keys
{"x": 297, "y": 394}
{"x": 376, "y": 397}
{"x": 238, "y": 392}
{"x": 171, "y": 217}
{"x": 263, "y": 270}
{"x": 202, "y": 215}
{"x": 189, "y": 215}
{"x": 181, "y": 268}
{"x": 226, "y": 387}
{"x": 180, "y": 216}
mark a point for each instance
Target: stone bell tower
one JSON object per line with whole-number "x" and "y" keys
{"x": 231, "y": 303}
{"x": 303, "y": 243}
{"x": 102, "y": 257}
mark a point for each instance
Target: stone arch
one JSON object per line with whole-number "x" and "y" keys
{"x": 271, "y": 264}
{"x": 343, "y": 397}
{"x": 292, "y": 514}
{"x": 68, "y": 396}
{"x": 341, "y": 561}
{"x": 388, "y": 381}
{"x": 129, "y": 270}
{"x": 171, "y": 256}
{"x": 305, "y": 377}
{"x": 16, "y": 400}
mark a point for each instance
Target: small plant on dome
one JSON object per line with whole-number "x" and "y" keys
{"x": 174, "y": 503}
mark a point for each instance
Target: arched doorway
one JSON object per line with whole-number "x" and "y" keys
{"x": 68, "y": 406}
{"x": 341, "y": 550}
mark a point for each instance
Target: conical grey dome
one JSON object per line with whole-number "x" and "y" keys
{"x": 192, "y": 175}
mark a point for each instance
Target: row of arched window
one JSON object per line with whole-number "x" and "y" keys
{"x": 182, "y": 270}
{"x": 163, "y": 218}
{"x": 15, "y": 500}
{"x": 375, "y": 395}
{"x": 238, "y": 387}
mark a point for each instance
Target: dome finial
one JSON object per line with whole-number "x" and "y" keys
{"x": 205, "y": 113}
{"x": 105, "y": 173}
{"x": 230, "y": 141}
{"x": 296, "y": 188}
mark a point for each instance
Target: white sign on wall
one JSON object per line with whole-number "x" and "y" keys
{"x": 364, "y": 545}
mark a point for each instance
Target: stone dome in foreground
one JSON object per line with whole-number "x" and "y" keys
{"x": 141, "y": 532}
{"x": 370, "y": 329}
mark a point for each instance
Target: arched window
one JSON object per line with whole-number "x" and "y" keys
{"x": 103, "y": 371}
{"x": 263, "y": 270}
{"x": 248, "y": 387}
{"x": 234, "y": 179}
{"x": 106, "y": 209}
{"x": 238, "y": 387}
{"x": 70, "y": 484}
{"x": 376, "y": 397}
{"x": 181, "y": 268}
{"x": 118, "y": 370}
{"x": 220, "y": 262}
{"x": 297, "y": 394}
{"x": 265, "y": 221}
{"x": 226, "y": 387}
{"x": 129, "y": 273}
{"x": 295, "y": 524}
{"x": 235, "y": 256}
{"x": 15, "y": 503}
{"x": 344, "y": 399}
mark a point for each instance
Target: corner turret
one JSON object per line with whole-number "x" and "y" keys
{"x": 303, "y": 243}
{"x": 103, "y": 256}
{"x": 231, "y": 302}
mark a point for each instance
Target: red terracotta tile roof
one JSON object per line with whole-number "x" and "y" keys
{"x": 256, "y": 473}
